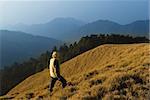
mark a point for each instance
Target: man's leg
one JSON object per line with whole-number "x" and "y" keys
{"x": 52, "y": 83}
{"x": 63, "y": 81}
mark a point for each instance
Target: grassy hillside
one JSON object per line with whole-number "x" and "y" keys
{"x": 108, "y": 72}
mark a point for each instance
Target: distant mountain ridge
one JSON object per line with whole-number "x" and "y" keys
{"x": 71, "y": 29}
{"x": 57, "y": 28}
{"x": 105, "y": 26}
{"x": 18, "y": 46}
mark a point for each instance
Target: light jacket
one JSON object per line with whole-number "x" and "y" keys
{"x": 54, "y": 68}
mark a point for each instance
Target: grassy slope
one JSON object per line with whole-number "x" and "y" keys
{"x": 108, "y": 71}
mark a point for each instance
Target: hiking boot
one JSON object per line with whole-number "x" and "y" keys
{"x": 64, "y": 85}
{"x": 51, "y": 90}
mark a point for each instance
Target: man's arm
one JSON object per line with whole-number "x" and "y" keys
{"x": 48, "y": 63}
{"x": 56, "y": 63}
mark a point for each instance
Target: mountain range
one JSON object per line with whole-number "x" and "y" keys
{"x": 70, "y": 29}
{"x": 58, "y": 28}
{"x": 18, "y": 46}
{"x": 140, "y": 27}
{"x": 24, "y": 41}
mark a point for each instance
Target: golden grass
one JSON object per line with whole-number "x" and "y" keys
{"x": 107, "y": 72}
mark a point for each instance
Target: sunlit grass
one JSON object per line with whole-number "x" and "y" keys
{"x": 106, "y": 72}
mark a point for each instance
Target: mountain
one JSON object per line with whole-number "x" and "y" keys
{"x": 140, "y": 27}
{"x": 70, "y": 29}
{"x": 110, "y": 71}
{"x": 58, "y": 28}
{"x": 17, "y": 46}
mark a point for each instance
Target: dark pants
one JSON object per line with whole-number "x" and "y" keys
{"x": 53, "y": 81}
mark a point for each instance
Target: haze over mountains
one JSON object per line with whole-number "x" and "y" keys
{"x": 19, "y": 46}
{"x": 58, "y": 28}
{"x": 140, "y": 27}
{"x": 69, "y": 28}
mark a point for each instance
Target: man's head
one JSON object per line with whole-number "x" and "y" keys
{"x": 54, "y": 54}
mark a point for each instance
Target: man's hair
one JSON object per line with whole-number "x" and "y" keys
{"x": 54, "y": 54}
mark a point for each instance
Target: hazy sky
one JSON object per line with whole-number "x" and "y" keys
{"x": 33, "y": 11}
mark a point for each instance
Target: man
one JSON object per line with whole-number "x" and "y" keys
{"x": 55, "y": 71}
